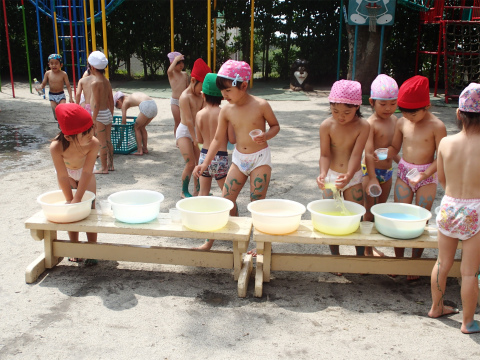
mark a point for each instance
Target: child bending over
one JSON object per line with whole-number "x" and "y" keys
{"x": 56, "y": 79}
{"x": 418, "y": 134}
{"x": 342, "y": 140}
{"x": 148, "y": 110}
{"x": 458, "y": 167}
{"x": 244, "y": 112}
{"x": 74, "y": 151}
{"x": 178, "y": 80}
{"x": 383, "y": 99}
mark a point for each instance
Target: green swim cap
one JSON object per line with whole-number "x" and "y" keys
{"x": 209, "y": 85}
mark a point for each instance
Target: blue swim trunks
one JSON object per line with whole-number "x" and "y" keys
{"x": 383, "y": 175}
{"x": 57, "y": 97}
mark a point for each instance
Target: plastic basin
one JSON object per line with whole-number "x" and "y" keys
{"x": 276, "y": 216}
{"x": 135, "y": 206}
{"x": 332, "y": 224}
{"x": 204, "y": 213}
{"x": 398, "y": 228}
{"x": 55, "y": 209}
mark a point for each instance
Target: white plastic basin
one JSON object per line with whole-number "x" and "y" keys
{"x": 135, "y": 206}
{"x": 397, "y": 228}
{"x": 276, "y": 216}
{"x": 55, "y": 209}
{"x": 332, "y": 224}
{"x": 205, "y": 213}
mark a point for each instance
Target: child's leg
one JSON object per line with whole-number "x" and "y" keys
{"x": 424, "y": 197}
{"x": 186, "y": 148}
{"x": 355, "y": 194}
{"x": 140, "y": 133}
{"x": 259, "y": 180}
{"x": 469, "y": 269}
{"x": 205, "y": 185}
{"x": 53, "y": 104}
{"x": 176, "y": 117}
{"x": 196, "y": 182}
{"x": 108, "y": 135}
{"x": 102, "y": 138}
{"x": 438, "y": 281}
{"x": 402, "y": 194}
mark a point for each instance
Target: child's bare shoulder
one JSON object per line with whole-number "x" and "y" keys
{"x": 327, "y": 123}
{"x": 435, "y": 120}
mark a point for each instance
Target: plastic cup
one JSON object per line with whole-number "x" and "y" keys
{"x": 254, "y": 133}
{"x": 375, "y": 190}
{"x": 382, "y": 153}
{"x": 330, "y": 181}
{"x": 366, "y": 227}
{"x": 175, "y": 215}
{"x": 413, "y": 175}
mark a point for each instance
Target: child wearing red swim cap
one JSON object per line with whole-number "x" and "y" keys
{"x": 74, "y": 152}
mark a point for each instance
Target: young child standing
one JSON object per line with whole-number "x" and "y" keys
{"x": 148, "y": 110}
{"x": 178, "y": 80}
{"x": 418, "y": 134}
{"x": 191, "y": 101}
{"x": 342, "y": 140}
{"x": 84, "y": 90}
{"x": 101, "y": 103}
{"x": 458, "y": 172}
{"x": 56, "y": 79}
{"x": 74, "y": 151}
{"x": 383, "y": 99}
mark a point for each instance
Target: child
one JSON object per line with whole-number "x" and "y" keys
{"x": 206, "y": 125}
{"x": 383, "y": 99}
{"x": 101, "y": 104}
{"x": 148, "y": 110}
{"x": 418, "y": 133}
{"x": 84, "y": 90}
{"x": 458, "y": 164}
{"x": 178, "y": 80}
{"x": 56, "y": 79}
{"x": 74, "y": 151}
{"x": 244, "y": 112}
{"x": 342, "y": 140}
{"x": 191, "y": 101}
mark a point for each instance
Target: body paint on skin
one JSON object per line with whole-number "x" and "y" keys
{"x": 225, "y": 185}
{"x": 258, "y": 189}
{"x": 425, "y": 203}
{"x": 185, "y": 183}
{"x": 397, "y": 192}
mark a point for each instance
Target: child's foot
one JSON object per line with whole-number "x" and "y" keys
{"x": 373, "y": 251}
{"x": 413, "y": 277}
{"x": 101, "y": 171}
{"x": 252, "y": 252}
{"x": 91, "y": 262}
{"x": 186, "y": 195}
{"x": 145, "y": 151}
{"x": 445, "y": 311}
{"x": 138, "y": 153}
{"x": 471, "y": 328}
{"x": 206, "y": 246}
{"x": 111, "y": 168}
{"x": 75, "y": 260}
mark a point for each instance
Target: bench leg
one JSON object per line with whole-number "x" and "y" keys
{"x": 35, "y": 269}
{"x": 245, "y": 276}
{"x": 239, "y": 248}
{"x": 50, "y": 259}
{"x": 259, "y": 277}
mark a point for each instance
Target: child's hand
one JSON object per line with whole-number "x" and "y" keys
{"x": 71, "y": 100}
{"x": 420, "y": 178}
{"x": 371, "y": 182}
{"x": 342, "y": 181}
{"x": 375, "y": 157}
{"x": 260, "y": 139}
{"x": 179, "y": 57}
{"x": 199, "y": 169}
{"x": 321, "y": 182}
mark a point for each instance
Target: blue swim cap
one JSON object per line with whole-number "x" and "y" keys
{"x": 55, "y": 56}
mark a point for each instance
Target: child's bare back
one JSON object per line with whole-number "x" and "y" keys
{"x": 135, "y": 99}
{"x": 206, "y": 125}
{"x": 102, "y": 93}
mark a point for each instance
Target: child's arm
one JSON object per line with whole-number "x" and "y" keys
{"x": 197, "y": 126}
{"x": 97, "y": 95}
{"x": 271, "y": 119}
{"x": 111, "y": 105}
{"x": 171, "y": 68}
{"x": 370, "y": 159}
{"x": 324, "y": 162}
{"x": 78, "y": 95}
{"x": 69, "y": 88}
{"x": 187, "y": 117}
{"x": 45, "y": 79}
{"x": 56, "y": 151}
{"x": 440, "y": 169}
{"x": 87, "y": 171}
{"x": 125, "y": 107}
{"x": 397, "y": 141}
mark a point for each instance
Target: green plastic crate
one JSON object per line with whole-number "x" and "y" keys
{"x": 123, "y": 136}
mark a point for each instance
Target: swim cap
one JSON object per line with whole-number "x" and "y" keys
{"x": 200, "y": 69}
{"x": 414, "y": 93}
{"x": 384, "y": 88}
{"x": 171, "y": 56}
{"x": 98, "y": 60}
{"x": 236, "y": 71}
{"x": 73, "y": 119}
{"x": 56, "y": 57}
{"x": 346, "y": 92}
{"x": 469, "y": 100}
{"x": 117, "y": 96}
{"x": 209, "y": 86}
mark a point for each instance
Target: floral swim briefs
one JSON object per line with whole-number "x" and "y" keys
{"x": 218, "y": 168}
{"x": 458, "y": 218}
{"x": 403, "y": 169}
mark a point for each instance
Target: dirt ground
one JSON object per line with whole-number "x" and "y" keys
{"x": 121, "y": 310}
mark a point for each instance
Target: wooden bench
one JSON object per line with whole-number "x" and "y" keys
{"x": 237, "y": 230}
{"x": 306, "y": 234}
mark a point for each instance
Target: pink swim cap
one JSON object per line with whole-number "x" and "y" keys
{"x": 346, "y": 92}
{"x": 469, "y": 100}
{"x": 236, "y": 71}
{"x": 384, "y": 88}
{"x": 171, "y": 56}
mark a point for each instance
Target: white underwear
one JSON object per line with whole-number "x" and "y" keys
{"x": 246, "y": 163}
{"x": 182, "y": 131}
{"x": 105, "y": 117}
{"x": 174, "y": 102}
{"x": 458, "y": 218}
{"x": 356, "y": 179}
{"x": 75, "y": 174}
{"x": 148, "y": 108}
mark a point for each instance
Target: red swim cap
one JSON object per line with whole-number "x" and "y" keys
{"x": 414, "y": 93}
{"x": 73, "y": 119}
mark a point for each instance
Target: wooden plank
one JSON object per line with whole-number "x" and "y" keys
{"x": 245, "y": 276}
{"x": 259, "y": 276}
{"x": 306, "y": 234}
{"x": 145, "y": 254}
{"x": 267, "y": 261}
{"x": 357, "y": 264}
{"x": 237, "y": 228}
{"x": 35, "y": 269}
{"x": 37, "y": 235}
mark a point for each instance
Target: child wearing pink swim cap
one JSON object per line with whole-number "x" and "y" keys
{"x": 342, "y": 140}
{"x": 458, "y": 167}
{"x": 378, "y": 173}
{"x": 244, "y": 113}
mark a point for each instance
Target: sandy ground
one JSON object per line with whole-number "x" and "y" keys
{"x": 120, "y": 310}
